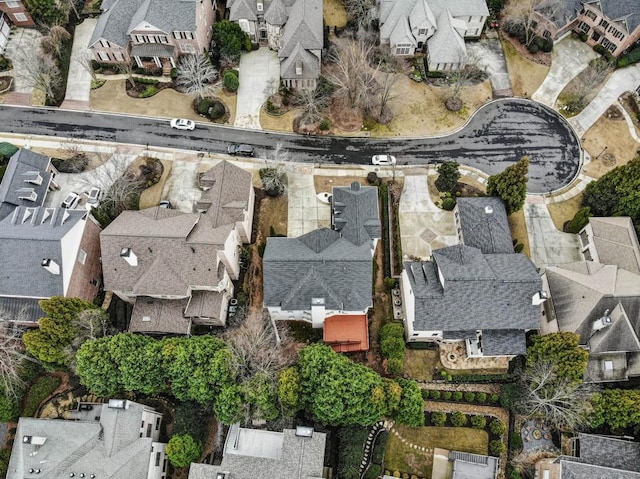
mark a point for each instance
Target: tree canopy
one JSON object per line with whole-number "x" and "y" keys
{"x": 411, "y": 408}
{"x": 182, "y": 450}
{"x": 228, "y": 37}
{"x": 448, "y": 176}
{"x": 511, "y": 185}
{"x": 563, "y": 352}
{"x": 616, "y": 408}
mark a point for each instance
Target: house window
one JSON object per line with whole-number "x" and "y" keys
{"x": 616, "y": 33}
{"x": 609, "y": 45}
{"x": 183, "y": 35}
{"x": 21, "y": 17}
{"x": 584, "y": 27}
{"x": 104, "y": 56}
{"x": 590, "y": 14}
{"x": 596, "y": 36}
{"x": 603, "y": 23}
{"x": 187, "y": 48}
{"x": 11, "y": 4}
{"x": 149, "y": 430}
{"x": 403, "y": 49}
{"x": 547, "y": 34}
{"x": 163, "y": 39}
{"x": 82, "y": 256}
{"x": 158, "y": 455}
{"x": 119, "y": 57}
{"x": 104, "y": 44}
{"x": 422, "y": 31}
{"x": 157, "y": 423}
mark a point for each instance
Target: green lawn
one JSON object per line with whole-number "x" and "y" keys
{"x": 400, "y": 457}
{"x": 420, "y": 363}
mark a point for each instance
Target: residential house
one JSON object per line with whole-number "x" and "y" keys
{"x": 251, "y": 453}
{"x": 611, "y": 240}
{"x": 463, "y": 465}
{"x": 5, "y": 30}
{"x": 177, "y": 268}
{"x": 45, "y": 251}
{"x": 325, "y": 277}
{"x": 17, "y": 13}
{"x": 153, "y": 33}
{"x": 595, "y": 457}
{"x": 118, "y": 440}
{"x": 480, "y": 291}
{"x": 614, "y": 24}
{"x": 435, "y": 27}
{"x": 291, "y": 27}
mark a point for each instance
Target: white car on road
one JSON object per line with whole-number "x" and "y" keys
{"x": 182, "y": 124}
{"x": 383, "y": 160}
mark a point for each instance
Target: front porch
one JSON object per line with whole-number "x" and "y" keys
{"x": 151, "y": 56}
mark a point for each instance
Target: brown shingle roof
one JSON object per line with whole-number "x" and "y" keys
{"x": 153, "y": 315}
{"x": 228, "y": 193}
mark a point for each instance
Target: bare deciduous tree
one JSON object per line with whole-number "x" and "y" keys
{"x": 582, "y": 89}
{"x": 12, "y": 355}
{"x": 523, "y": 14}
{"x": 86, "y": 62}
{"x": 195, "y": 75}
{"x": 364, "y": 12}
{"x": 386, "y": 95}
{"x": 311, "y": 102}
{"x": 53, "y": 41}
{"x": 40, "y": 71}
{"x": 126, "y": 68}
{"x": 88, "y": 325}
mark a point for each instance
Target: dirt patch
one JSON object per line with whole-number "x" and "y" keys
{"x": 278, "y": 123}
{"x": 564, "y": 211}
{"x": 326, "y": 183}
{"x": 518, "y": 227}
{"x": 152, "y": 195}
{"x": 525, "y": 74}
{"x": 273, "y": 214}
{"x": 609, "y": 144}
{"x": 333, "y": 13}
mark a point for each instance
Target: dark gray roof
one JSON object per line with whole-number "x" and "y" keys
{"x": 576, "y": 470}
{"x": 479, "y": 291}
{"x": 503, "y": 342}
{"x": 626, "y": 12}
{"x": 300, "y": 57}
{"x": 28, "y": 236}
{"x": 23, "y": 310}
{"x": 304, "y": 26}
{"x": 457, "y": 335}
{"x": 320, "y": 264}
{"x": 610, "y": 452}
{"x": 147, "y": 50}
{"x": 243, "y": 9}
{"x": 276, "y": 14}
{"x": 110, "y": 448}
{"x": 484, "y": 224}
{"x": 22, "y": 166}
{"x": 355, "y": 213}
{"x": 560, "y": 13}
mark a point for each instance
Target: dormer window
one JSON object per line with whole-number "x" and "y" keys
{"x": 51, "y": 266}
{"x": 260, "y": 6}
{"x": 32, "y": 177}
{"x": 128, "y": 255}
{"x": 27, "y": 194}
{"x": 298, "y": 68}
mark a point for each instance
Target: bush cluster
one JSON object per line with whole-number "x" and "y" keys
{"x": 211, "y": 108}
{"x": 469, "y": 396}
{"x": 148, "y": 92}
{"x": 536, "y": 43}
{"x": 41, "y": 389}
{"x": 231, "y": 81}
{"x": 392, "y": 346}
{"x": 630, "y": 58}
{"x": 146, "y": 81}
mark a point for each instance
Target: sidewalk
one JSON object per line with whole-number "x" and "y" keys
{"x": 79, "y": 79}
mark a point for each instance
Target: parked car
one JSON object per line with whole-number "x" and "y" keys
{"x": 383, "y": 160}
{"x": 240, "y": 149}
{"x": 71, "y": 201}
{"x": 182, "y": 124}
{"x": 165, "y": 204}
{"x": 93, "y": 197}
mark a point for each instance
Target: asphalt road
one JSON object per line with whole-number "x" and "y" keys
{"x": 498, "y": 134}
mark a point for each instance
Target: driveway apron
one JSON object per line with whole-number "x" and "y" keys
{"x": 259, "y": 76}
{"x": 79, "y": 80}
{"x": 490, "y": 57}
{"x": 569, "y": 57}
{"x": 305, "y": 211}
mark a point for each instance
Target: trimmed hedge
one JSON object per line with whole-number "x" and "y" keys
{"x": 41, "y": 389}
{"x": 630, "y": 58}
{"x": 392, "y": 346}
{"x": 484, "y": 378}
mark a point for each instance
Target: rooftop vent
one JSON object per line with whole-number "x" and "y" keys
{"x": 488, "y": 209}
{"x": 32, "y": 177}
{"x": 51, "y": 266}
{"x": 221, "y": 475}
{"x": 603, "y": 322}
{"x": 355, "y": 186}
{"x": 128, "y": 255}
{"x": 117, "y": 403}
{"x": 146, "y": 319}
{"x": 304, "y": 431}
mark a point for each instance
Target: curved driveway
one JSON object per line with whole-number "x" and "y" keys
{"x": 497, "y": 135}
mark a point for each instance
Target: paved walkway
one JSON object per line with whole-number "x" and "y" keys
{"x": 490, "y": 57}
{"x": 549, "y": 247}
{"x": 259, "y": 77}
{"x": 620, "y": 81}
{"x": 79, "y": 80}
{"x": 569, "y": 57}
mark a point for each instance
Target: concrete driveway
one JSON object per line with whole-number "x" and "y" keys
{"x": 305, "y": 211}
{"x": 569, "y": 57}
{"x": 79, "y": 80}
{"x": 259, "y": 73}
{"x": 490, "y": 57}
{"x": 423, "y": 226}
{"x": 619, "y": 82}
{"x": 549, "y": 247}
{"x": 20, "y": 41}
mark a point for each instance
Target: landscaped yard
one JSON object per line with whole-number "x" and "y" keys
{"x": 612, "y": 133}
{"x": 526, "y": 76}
{"x": 564, "y": 211}
{"x": 421, "y": 363}
{"x": 401, "y": 457}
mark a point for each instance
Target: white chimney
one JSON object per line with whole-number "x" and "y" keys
{"x": 128, "y": 255}
{"x": 51, "y": 266}
{"x": 539, "y": 298}
{"x": 603, "y": 322}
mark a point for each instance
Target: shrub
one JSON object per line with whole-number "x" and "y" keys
{"x": 324, "y": 125}
{"x": 425, "y": 394}
{"x": 182, "y": 450}
{"x": 469, "y": 396}
{"x": 498, "y": 427}
{"x": 372, "y": 177}
{"x": 350, "y": 447}
{"x": 496, "y": 447}
{"x": 203, "y": 105}
{"x": 434, "y": 394}
{"x": 448, "y": 204}
{"x": 389, "y": 284}
{"x": 632, "y": 57}
{"x": 217, "y": 110}
{"x": 7, "y": 149}
{"x": 373, "y": 472}
{"x": 438, "y": 419}
{"x": 395, "y": 365}
{"x": 494, "y": 398}
{"x": 518, "y": 248}
{"x": 533, "y": 48}
{"x": 41, "y": 389}
{"x": 230, "y": 81}
{"x": 392, "y": 347}
{"x": 459, "y": 419}
{"x": 5, "y": 455}
{"x": 478, "y": 422}
{"x": 247, "y": 43}
{"x": 447, "y": 395}
{"x": 481, "y": 397}
{"x": 457, "y": 396}
{"x": 579, "y": 220}
{"x": 377, "y": 456}
{"x": 8, "y": 408}
{"x": 515, "y": 442}
{"x": 148, "y": 92}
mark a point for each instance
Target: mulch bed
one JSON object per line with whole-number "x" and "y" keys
{"x": 135, "y": 91}
{"x": 542, "y": 58}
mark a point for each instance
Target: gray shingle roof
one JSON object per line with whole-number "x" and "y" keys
{"x": 484, "y": 224}
{"x": 20, "y": 309}
{"x": 152, "y": 50}
{"x": 626, "y": 10}
{"x": 276, "y": 14}
{"x": 243, "y": 9}
{"x": 616, "y": 242}
{"x": 576, "y": 470}
{"x": 165, "y": 316}
{"x": 319, "y": 264}
{"x": 22, "y": 166}
{"x": 29, "y": 235}
{"x": 304, "y": 26}
{"x": 480, "y": 291}
{"x": 110, "y": 448}
{"x": 355, "y": 213}
{"x": 610, "y": 452}
{"x": 296, "y": 458}
{"x": 446, "y": 45}
{"x": 310, "y": 65}
{"x": 503, "y": 342}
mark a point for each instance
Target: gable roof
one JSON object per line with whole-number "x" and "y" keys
{"x": 616, "y": 242}
{"x": 228, "y": 194}
{"x": 484, "y": 224}
{"x": 111, "y": 448}
{"x": 610, "y": 452}
{"x": 23, "y": 166}
{"x": 319, "y": 264}
{"x": 243, "y": 9}
{"x": 251, "y": 453}
{"x": 477, "y": 291}
{"x": 625, "y": 12}
{"x": 304, "y": 26}
{"x": 300, "y": 57}
{"x": 447, "y": 45}
{"x": 27, "y": 237}
{"x": 355, "y": 213}
{"x": 276, "y": 14}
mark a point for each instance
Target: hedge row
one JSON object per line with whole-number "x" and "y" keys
{"x": 483, "y": 378}
{"x": 469, "y": 396}
{"x": 630, "y": 58}
{"x": 392, "y": 346}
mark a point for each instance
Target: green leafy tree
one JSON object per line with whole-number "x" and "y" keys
{"x": 579, "y": 220}
{"x": 411, "y": 408}
{"x": 562, "y": 350}
{"x": 182, "y": 450}
{"x": 498, "y": 427}
{"x": 8, "y": 408}
{"x": 496, "y": 448}
{"x": 260, "y": 396}
{"x": 228, "y": 38}
{"x": 393, "y": 394}
{"x": 511, "y": 185}
{"x": 45, "y": 12}
{"x": 97, "y": 369}
{"x": 289, "y": 389}
{"x": 228, "y": 407}
{"x": 616, "y": 408}
{"x": 448, "y": 176}
{"x": 56, "y": 331}
{"x": 478, "y": 422}
{"x": 137, "y": 358}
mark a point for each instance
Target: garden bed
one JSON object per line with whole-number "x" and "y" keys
{"x": 145, "y": 88}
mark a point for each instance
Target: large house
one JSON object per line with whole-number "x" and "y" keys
{"x": 252, "y": 453}
{"x": 614, "y": 24}
{"x": 325, "y": 277}
{"x": 118, "y": 440}
{"x": 17, "y": 13}
{"x": 438, "y": 28}
{"x": 291, "y": 27}
{"x": 153, "y": 33}
{"x": 611, "y": 240}
{"x": 177, "y": 268}
{"x": 480, "y": 291}
{"x": 45, "y": 251}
